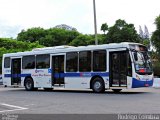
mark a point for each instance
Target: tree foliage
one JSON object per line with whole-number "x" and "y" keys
{"x": 82, "y": 40}
{"x": 104, "y": 27}
{"x": 155, "y": 39}
{"x": 12, "y": 44}
{"x": 156, "y": 35}
{"x": 122, "y": 32}
{"x": 48, "y": 37}
{"x": 8, "y": 45}
{"x": 31, "y": 35}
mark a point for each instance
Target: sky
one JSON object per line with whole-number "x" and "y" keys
{"x": 16, "y": 15}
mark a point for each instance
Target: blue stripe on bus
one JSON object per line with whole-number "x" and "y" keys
{"x": 137, "y": 83}
{"x": 25, "y": 75}
{"x": 7, "y": 75}
{"x": 61, "y": 75}
{"x": 86, "y": 74}
{"x": 17, "y": 75}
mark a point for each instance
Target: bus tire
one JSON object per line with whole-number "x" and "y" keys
{"x": 98, "y": 85}
{"x": 29, "y": 84}
{"x": 116, "y": 90}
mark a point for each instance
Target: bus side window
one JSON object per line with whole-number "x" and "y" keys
{"x": 99, "y": 60}
{"x": 72, "y": 62}
{"x": 28, "y": 62}
{"x": 7, "y": 62}
{"x": 85, "y": 61}
{"x": 42, "y": 61}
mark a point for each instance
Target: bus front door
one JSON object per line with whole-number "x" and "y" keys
{"x": 16, "y": 71}
{"x": 118, "y": 68}
{"x": 58, "y": 70}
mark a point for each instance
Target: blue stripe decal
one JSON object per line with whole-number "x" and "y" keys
{"x": 25, "y": 75}
{"x": 7, "y": 75}
{"x": 72, "y": 74}
{"x": 137, "y": 83}
{"x": 61, "y": 75}
{"x": 106, "y": 74}
{"x": 16, "y": 75}
{"x": 86, "y": 74}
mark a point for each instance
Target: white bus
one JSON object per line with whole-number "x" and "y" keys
{"x": 113, "y": 66}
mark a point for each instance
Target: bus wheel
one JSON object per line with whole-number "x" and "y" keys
{"x": 29, "y": 85}
{"x": 116, "y": 90}
{"x": 98, "y": 85}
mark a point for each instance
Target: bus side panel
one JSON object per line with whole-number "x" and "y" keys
{"x": 77, "y": 82}
{"x": 41, "y": 77}
{"x": 6, "y": 76}
{"x": 25, "y": 73}
{"x": 82, "y": 82}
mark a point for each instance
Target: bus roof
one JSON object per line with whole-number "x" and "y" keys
{"x": 65, "y": 48}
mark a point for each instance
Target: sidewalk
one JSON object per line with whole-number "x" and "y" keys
{"x": 156, "y": 83}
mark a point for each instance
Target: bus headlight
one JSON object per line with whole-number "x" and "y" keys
{"x": 137, "y": 77}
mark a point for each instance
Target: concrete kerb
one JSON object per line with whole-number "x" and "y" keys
{"x": 156, "y": 83}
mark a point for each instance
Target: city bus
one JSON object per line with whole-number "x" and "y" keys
{"x": 114, "y": 66}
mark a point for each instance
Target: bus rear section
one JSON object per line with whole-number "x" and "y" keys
{"x": 11, "y": 72}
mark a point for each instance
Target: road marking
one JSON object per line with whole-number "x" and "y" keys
{"x": 29, "y": 105}
{"x": 16, "y": 108}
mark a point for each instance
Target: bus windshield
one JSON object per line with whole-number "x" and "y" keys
{"x": 142, "y": 61}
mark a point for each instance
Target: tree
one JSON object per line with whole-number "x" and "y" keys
{"x": 82, "y": 40}
{"x": 8, "y": 45}
{"x": 155, "y": 39}
{"x": 48, "y": 37}
{"x": 31, "y": 35}
{"x": 144, "y": 36}
{"x": 2, "y": 51}
{"x": 104, "y": 27}
{"x": 14, "y": 45}
{"x": 122, "y": 32}
{"x": 156, "y": 35}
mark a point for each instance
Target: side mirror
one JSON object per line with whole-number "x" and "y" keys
{"x": 135, "y": 56}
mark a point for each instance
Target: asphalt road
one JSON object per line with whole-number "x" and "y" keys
{"x": 17, "y": 100}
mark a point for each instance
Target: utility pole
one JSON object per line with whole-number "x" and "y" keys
{"x": 95, "y": 22}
